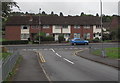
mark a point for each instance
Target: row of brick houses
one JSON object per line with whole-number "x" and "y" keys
{"x": 24, "y": 27}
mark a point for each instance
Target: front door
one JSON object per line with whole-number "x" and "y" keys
{"x": 56, "y": 37}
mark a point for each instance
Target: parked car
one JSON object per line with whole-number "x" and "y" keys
{"x": 76, "y": 41}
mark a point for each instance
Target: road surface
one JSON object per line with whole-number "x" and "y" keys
{"x": 62, "y": 65}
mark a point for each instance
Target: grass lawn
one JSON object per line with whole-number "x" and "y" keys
{"x": 110, "y": 52}
{"x": 5, "y": 55}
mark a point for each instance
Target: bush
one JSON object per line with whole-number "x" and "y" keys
{"x": 15, "y": 42}
{"x": 61, "y": 38}
{"x": 96, "y": 40}
{"x": 48, "y": 38}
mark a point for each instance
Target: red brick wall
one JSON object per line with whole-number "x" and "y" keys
{"x": 36, "y": 30}
{"x": 74, "y": 30}
{"x": 81, "y": 30}
{"x": 47, "y": 30}
{"x": 90, "y": 30}
{"x": 12, "y": 32}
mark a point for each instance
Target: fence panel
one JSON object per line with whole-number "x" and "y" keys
{"x": 9, "y": 63}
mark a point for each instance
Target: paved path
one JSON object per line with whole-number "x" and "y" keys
{"x": 30, "y": 69}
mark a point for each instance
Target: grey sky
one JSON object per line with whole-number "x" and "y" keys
{"x": 69, "y": 7}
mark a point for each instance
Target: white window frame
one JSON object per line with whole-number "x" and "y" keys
{"x": 47, "y": 34}
{"x": 88, "y": 35}
{"x": 25, "y": 36}
{"x": 77, "y": 35}
{"x": 57, "y": 27}
{"x": 35, "y": 27}
{"x": 87, "y": 27}
{"x": 45, "y": 26}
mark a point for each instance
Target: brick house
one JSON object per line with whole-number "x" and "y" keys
{"x": 24, "y": 27}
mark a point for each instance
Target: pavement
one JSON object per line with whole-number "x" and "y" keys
{"x": 29, "y": 69}
{"x": 107, "y": 61}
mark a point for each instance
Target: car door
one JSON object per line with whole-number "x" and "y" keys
{"x": 77, "y": 41}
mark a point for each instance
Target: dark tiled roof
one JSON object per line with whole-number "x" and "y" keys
{"x": 50, "y": 20}
{"x": 115, "y": 23}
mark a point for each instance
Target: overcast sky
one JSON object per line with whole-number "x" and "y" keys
{"x": 69, "y": 7}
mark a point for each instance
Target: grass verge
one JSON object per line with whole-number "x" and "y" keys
{"x": 5, "y": 55}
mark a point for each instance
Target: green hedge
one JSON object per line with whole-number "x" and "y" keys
{"x": 48, "y": 38}
{"x": 15, "y": 42}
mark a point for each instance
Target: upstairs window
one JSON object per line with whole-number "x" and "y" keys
{"x": 35, "y": 26}
{"x": 86, "y": 27}
{"x": 25, "y": 27}
{"x": 57, "y": 27}
{"x": 76, "y": 26}
{"x": 45, "y": 26}
{"x": 65, "y": 26}
{"x": 98, "y": 27}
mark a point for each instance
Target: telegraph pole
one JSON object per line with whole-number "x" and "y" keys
{"x": 39, "y": 25}
{"x": 101, "y": 23}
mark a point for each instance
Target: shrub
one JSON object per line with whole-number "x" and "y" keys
{"x": 61, "y": 38}
{"x": 48, "y": 38}
{"x": 96, "y": 40}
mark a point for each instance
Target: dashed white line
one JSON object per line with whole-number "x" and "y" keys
{"x": 68, "y": 61}
{"x": 53, "y": 50}
{"x": 58, "y": 54}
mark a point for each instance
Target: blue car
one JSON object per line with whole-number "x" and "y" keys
{"x": 76, "y": 41}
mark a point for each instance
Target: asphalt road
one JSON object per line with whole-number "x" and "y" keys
{"x": 44, "y": 46}
{"x": 62, "y": 65}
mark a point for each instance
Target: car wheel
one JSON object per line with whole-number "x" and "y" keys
{"x": 86, "y": 43}
{"x": 74, "y": 43}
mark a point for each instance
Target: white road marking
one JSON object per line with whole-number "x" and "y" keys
{"x": 68, "y": 61}
{"x": 58, "y": 54}
{"x": 53, "y": 50}
{"x": 34, "y": 49}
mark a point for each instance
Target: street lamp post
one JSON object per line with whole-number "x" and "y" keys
{"x": 101, "y": 23}
{"x": 39, "y": 25}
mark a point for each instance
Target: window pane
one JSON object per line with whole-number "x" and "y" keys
{"x": 65, "y": 26}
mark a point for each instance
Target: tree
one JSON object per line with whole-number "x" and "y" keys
{"x": 26, "y": 13}
{"x": 61, "y": 14}
{"x": 97, "y": 14}
{"x": 43, "y": 13}
{"x": 82, "y": 14}
{"x": 52, "y": 13}
{"x": 7, "y": 8}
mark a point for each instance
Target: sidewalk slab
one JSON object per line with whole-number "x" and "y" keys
{"x": 29, "y": 69}
{"x": 107, "y": 61}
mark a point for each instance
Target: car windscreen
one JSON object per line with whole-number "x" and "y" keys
{"x": 77, "y": 39}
